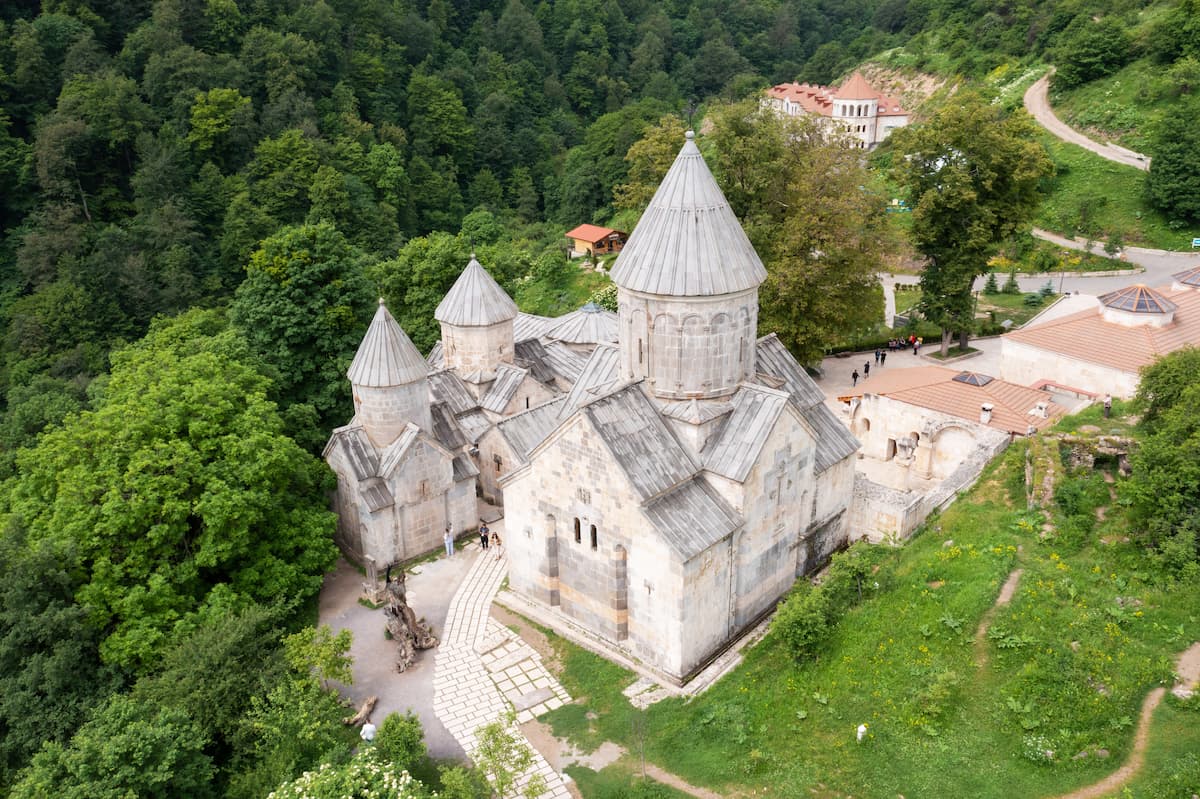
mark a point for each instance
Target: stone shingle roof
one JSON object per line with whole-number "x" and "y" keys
{"x": 688, "y": 242}
{"x": 773, "y": 359}
{"x": 448, "y": 388}
{"x": 692, "y": 517}
{"x": 599, "y": 373}
{"x": 386, "y": 356}
{"x": 565, "y": 361}
{"x": 446, "y": 428}
{"x": 358, "y": 450}
{"x": 474, "y": 424}
{"x": 640, "y": 441}
{"x": 734, "y": 450}
{"x": 475, "y": 300}
{"x": 591, "y": 324}
{"x": 834, "y": 441}
{"x": 527, "y": 429}
{"x": 1087, "y": 336}
{"x": 527, "y": 326}
{"x": 508, "y": 380}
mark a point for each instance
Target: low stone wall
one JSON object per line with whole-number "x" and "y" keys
{"x": 887, "y": 515}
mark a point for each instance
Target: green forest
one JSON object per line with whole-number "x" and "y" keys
{"x": 201, "y": 200}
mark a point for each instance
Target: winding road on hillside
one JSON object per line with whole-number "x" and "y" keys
{"x": 1037, "y": 103}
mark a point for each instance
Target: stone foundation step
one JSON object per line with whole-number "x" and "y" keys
{"x": 529, "y": 700}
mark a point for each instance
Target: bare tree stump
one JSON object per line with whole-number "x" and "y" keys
{"x": 363, "y": 714}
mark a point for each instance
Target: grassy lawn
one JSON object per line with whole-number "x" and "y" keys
{"x": 620, "y": 782}
{"x": 1065, "y": 667}
{"x": 1091, "y": 193}
{"x": 1119, "y": 108}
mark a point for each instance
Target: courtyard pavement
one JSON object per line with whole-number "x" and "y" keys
{"x": 479, "y": 671}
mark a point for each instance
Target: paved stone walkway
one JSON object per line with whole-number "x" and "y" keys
{"x": 482, "y": 668}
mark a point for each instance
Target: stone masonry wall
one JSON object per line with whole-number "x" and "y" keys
{"x": 1026, "y": 365}
{"x": 574, "y": 477}
{"x": 470, "y": 349}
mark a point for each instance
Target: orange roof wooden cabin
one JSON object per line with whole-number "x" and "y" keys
{"x": 595, "y": 240}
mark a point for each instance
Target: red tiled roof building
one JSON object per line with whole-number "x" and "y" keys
{"x": 864, "y": 112}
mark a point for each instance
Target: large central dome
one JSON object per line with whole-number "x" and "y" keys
{"x": 688, "y": 242}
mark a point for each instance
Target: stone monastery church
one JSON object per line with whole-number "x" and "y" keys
{"x": 665, "y": 475}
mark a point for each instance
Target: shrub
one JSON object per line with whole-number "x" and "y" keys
{"x": 803, "y": 619}
{"x": 400, "y": 740}
{"x": 1047, "y": 290}
{"x": 990, "y": 286}
{"x": 1011, "y": 286}
{"x": 1032, "y": 300}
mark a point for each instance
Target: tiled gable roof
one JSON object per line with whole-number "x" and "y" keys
{"x": 774, "y": 360}
{"x": 1086, "y": 335}
{"x": 508, "y": 380}
{"x": 935, "y": 388}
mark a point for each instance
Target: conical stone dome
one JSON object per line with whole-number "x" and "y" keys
{"x": 591, "y": 324}
{"x": 475, "y": 300}
{"x": 386, "y": 356}
{"x": 389, "y": 378}
{"x": 688, "y": 242}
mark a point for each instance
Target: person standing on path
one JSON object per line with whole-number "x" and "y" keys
{"x": 496, "y": 545}
{"x": 1107, "y": 405}
{"x": 854, "y": 378}
{"x": 866, "y": 370}
{"x": 448, "y": 540}
{"x": 483, "y": 535}
{"x": 882, "y": 358}
{"x": 876, "y": 355}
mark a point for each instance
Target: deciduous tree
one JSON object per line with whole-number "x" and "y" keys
{"x": 971, "y": 175}
{"x": 179, "y": 483}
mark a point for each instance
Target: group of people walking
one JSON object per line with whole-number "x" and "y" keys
{"x": 488, "y": 540}
{"x": 881, "y": 356}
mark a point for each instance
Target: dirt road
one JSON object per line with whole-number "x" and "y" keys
{"x": 1038, "y": 105}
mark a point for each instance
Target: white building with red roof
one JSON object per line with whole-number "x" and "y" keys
{"x": 863, "y": 111}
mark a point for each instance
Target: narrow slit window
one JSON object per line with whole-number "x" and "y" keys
{"x": 578, "y": 537}
{"x": 593, "y": 531}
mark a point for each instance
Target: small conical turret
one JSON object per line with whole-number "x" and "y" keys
{"x": 390, "y": 382}
{"x": 477, "y": 324}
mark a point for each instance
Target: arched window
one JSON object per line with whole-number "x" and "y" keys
{"x": 578, "y": 537}
{"x": 593, "y": 536}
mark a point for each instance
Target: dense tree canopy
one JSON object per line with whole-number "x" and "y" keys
{"x": 179, "y": 493}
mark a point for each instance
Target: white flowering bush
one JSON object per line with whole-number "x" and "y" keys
{"x": 364, "y": 777}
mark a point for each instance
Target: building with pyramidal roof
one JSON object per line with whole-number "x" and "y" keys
{"x": 665, "y": 473}
{"x": 1102, "y": 348}
{"x": 857, "y": 107}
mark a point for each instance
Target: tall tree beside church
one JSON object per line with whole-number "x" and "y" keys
{"x": 304, "y": 307}
{"x": 807, "y": 204}
{"x": 971, "y": 175}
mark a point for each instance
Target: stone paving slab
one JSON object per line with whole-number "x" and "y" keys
{"x": 467, "y": 695}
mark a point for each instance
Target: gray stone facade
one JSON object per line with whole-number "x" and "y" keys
{"x": 663, "y": 491}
